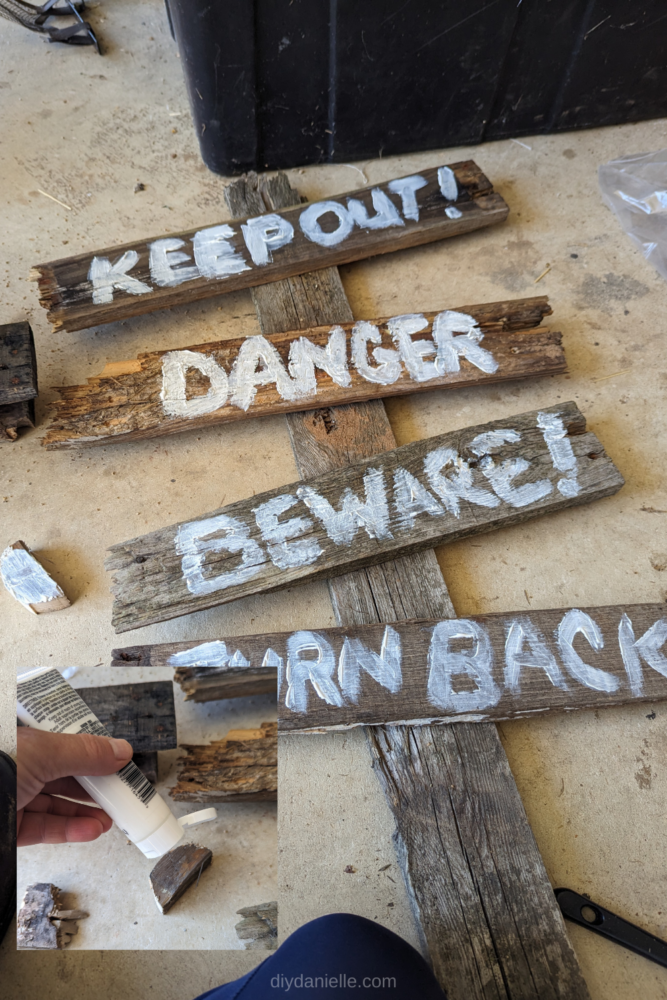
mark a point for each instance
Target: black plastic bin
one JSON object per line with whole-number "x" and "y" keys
{"x": 281, "y": 83}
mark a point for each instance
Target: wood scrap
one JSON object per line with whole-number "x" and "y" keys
{"x": 15, "y": 416}
{"x": 242, "y": 767}
{"x": 176, "y": 871}
{"x": 18, "y": 365}
{"x": 26, "y": 579}
{"x": 259, "y": 928}
{"x": 143, "y": 714}
{"x": 43, "y": 922}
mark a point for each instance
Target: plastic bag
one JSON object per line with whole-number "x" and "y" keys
{"x": 635, "y": 189}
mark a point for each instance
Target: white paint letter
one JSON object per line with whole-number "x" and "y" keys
{"x": 214, "y": 255}
{"x": 386, "y": 213}
{"x": 466, "y": 345}
{"x": 412, "y": 351}
{"x": 406, "y": 188}
{"x": 477, "y": 663}
{"x": 560, "y": 449}
{"x": 194, "y": 541}
{"x": 448, "y": 186}
{"x": 245, "y": 376}
{"x": 164, "y": 255}
{"x": 175, "y": 365}
{"x": 304, "y": 357}
{"x": 206, "y": 654}
{"x": 411, "y": 499}
{"x": 309, "y": 221}
{"x": 106, "y": 276}
{"x": 501, "y": 476}
{"x": 577, "y": 621}
{"x": 458, "y": 483}
{"x": 521, "y": 631}
{"x": 385, "y": 668}
{"x": 264, "y": 234}
{"x": 342, "y": 525}
{"x": 286, "y": 554}
{"x": 648, "y": 647}
{"x": 319, "y": 672}
{"x": 388, "y": 362}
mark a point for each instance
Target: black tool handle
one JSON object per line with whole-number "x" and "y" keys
{"x": 588, "y": 914}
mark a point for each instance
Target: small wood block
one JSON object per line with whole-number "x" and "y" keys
{"x": 259, "y": 928}
{"x": 143, "y": 714}
{"x": 42, "y": 922}
{"x": 18, "y": 365}
{"x": 243, "y": 767}
{"x": 176, "y": 871}
{"x": 15, "y": 416}
{"x": 26, "y": 579}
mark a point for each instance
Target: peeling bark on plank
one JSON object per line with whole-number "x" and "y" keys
{"x": 43, "y": 923}
{"x": 242, "y": 767}
{"x": 142, "y": 398}
{"x": 176, "y": 871}
{"x": 259, "y": 928}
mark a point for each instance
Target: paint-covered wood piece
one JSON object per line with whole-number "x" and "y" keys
{"x": 18, "y": 365}
{"x": 204, "y": 384}
{"x": 13, "y": 417}
{"x": 112, "y": 284}
{"x": 26, "y": 579}
{"x": 143, "y": 714}
{"x": 43, "y": 923}
{"x": 420, "y": 495}
{"x": 242, "y": 767}
{"x": 176, "y": 871}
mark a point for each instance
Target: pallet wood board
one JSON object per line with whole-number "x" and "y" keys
{"x": 242, "y": 767}
{"x": 166, "y": 392}
{"x": 18, "y": 364}
{"x": 423, "y": 494}
{"x": 143, "y": 714}
{"x": 122, "y": 281}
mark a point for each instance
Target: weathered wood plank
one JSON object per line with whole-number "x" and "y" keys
{"x": 166, "y": 392}
{"x": 242, "y": 767}
{"x": 444, "y": 488}
{"x": 143, "y": 714}
{"x": 122, "y": 281}
{"x": 18, "y": 364}
{"x": 15, "y": 416}
{"x": 176, "y": 871}
{"x": 465, "y": 921}
{"x": 259, "y": 927}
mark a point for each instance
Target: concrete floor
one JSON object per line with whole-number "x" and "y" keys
{"x": 86, "y": 130}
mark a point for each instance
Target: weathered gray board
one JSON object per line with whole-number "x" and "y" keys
{"x": 122, "y": 281}
{"x": 143, "y": 714}
{"x": 423, "y": 494}
{"x": 481, "y": 895}
{"x": 18, "y": 365}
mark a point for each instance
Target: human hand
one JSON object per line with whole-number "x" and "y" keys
{"x": 45, "y": 765}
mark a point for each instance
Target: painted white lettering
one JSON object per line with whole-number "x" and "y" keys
{"x": 214, "y": 254}
{"x": 271, "y": 659}
{"x": 386, "y": 213}
{"x": 309, "y": 221}
{"x": 175, "y": 365}
{"x": 301, "y": 669}
{"x": 194, "y": 542}
{"x": 239, "y": 660}
{"x": 106, "y": 276}
{"x": 163, "y": 258}
{"x": 385, "y": 668}
{"x": 452, "y": 212}
{"x": 648, "y": 647}
{"x": 521, "y": 631}
{"x": 342, "y": 525}
{"x": 412, "y": 499}
{"x": 412, "y": 351}
{"x": 264, "y": 234}
{"x": 447, "y": 181}
{"x": 245, "y": 376}
{"x": 554, "y": 433}
{"x": 407, "y": 187}
{"x": 501, "y": 476}
{"x": 454, "y": 484}
{"x": 304, "y": 357}
{"x": 388, "y": 368}
{"x": 206, "y": 654}
{"x": 577, "y": 621}
{"x": 477, "y": 663}
{"x": 466, "y": 345}
{"x": 284, "y": 553}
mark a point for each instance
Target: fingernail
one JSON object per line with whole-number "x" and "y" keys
{"x": 121, "y": 749}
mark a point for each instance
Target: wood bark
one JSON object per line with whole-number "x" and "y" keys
{"x": 125, "y": 402}
{"x": 143, "y": 714}
{"x": 13, "y": 417}
{"x": 176, "y": 871}
{"x": 259, "y": 928}
{"x": 66, "y": 289}
{"x": 43, "y": 923}
{"x": 466, "y": 924}
{"x": 18, "y": 365}
{"x": 242, "y": 767}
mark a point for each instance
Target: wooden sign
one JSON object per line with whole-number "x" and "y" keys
{"x": 417, "y": 496}
{"x": 169, "y": 391}
{"x": 18, "y": 365}
{"x": 121, "y": 281}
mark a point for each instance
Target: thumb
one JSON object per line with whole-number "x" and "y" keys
{"x": 43, "y": 757}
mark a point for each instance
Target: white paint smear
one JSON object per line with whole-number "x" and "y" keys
{"x": 649, "y": 648}
{"x": 388, "y": 363}
{"x": 412, "y": 499}
{"x": 501, "y": 476}
{"x": 578, "y": 621}
{"x": 305, "y": 357}
{"x": 206, "y": 654}
{"x": 286, "y": 553}
{"x": 521, "y": 633}
{"x": 302, "y": 668}
{"x": 413, "y": 352}
{"x": 477, "y": 663}
{"x": 464, "y": 345}
{"x": 258, "y": 363}
{"x": 265, "y": 234}
{"x": 386, "y": 213}
{"x": 106, "y": 276}
{"x": 341, "y": 525}
{"x": 214, "y": 254}
{"x": 407, "y": 188}
{"x": 448, "y": 186}
{"x": 26, "y": 579}
{"x": 385, "y": 667}
{"x": 163, "y": 257}
{"x": 196, "y": 539}
{"x": 309, "y": 220}
{"x": 175, "y": 366}
{"x": 451, "y": 478}
{"x": 554, "y": 433}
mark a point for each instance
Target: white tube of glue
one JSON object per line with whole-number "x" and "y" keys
{"x": 46, "y": 701}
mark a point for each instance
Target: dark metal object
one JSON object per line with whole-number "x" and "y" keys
{"x": 34, "y": 18}
{"x": 584, "y": 912}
